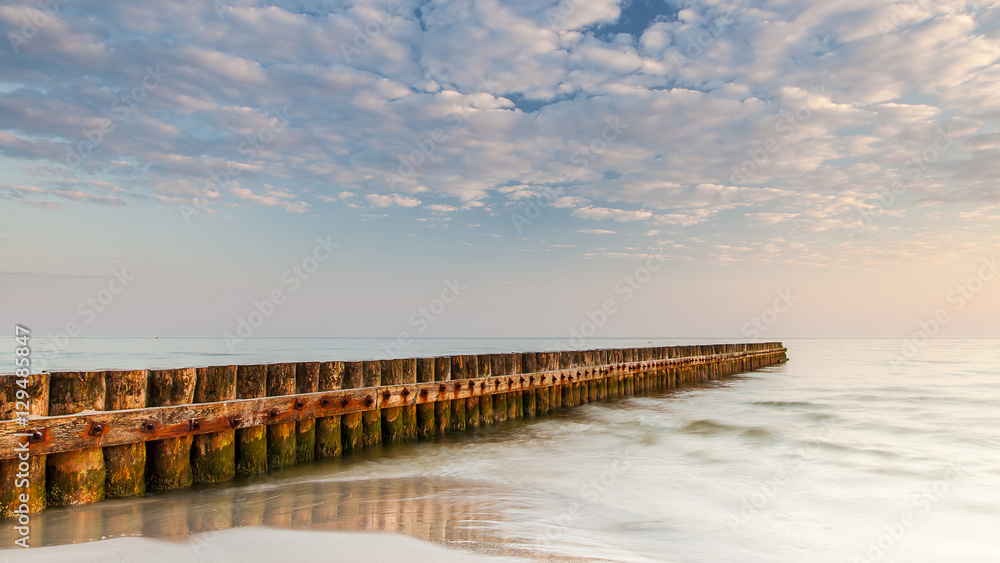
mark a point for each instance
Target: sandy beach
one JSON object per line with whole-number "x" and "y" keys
{"x": 266, "y": 545}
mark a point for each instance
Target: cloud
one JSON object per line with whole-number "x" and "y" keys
{"x": 389, "y": 200}
{"x": 776, "y": 114}
{"x": 595, "y": 231}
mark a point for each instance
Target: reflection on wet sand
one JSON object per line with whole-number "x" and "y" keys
{"x": 454, "y": 512}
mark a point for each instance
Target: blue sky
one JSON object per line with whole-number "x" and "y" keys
{"x": 688, "y": 169}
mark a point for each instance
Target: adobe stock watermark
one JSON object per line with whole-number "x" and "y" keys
{"x": 695, "y": 47}
{"x": 921, "y": 501}
{"x": 365, "y": 34}
{"x": 958, "y": 298}
{"x": 422, "y": 318}
{"x": 758, "y": 325}
{"x": 250, "y": 148}
{"x": 292, "y": 278}
{"x": 582, "y": 158}
{"x": 914, "y": 168}
{"x": 39, "y": 19}
{"x": 903, "y": 12}
{"x": 627, "y": 286}
{"x": 121, "y": 107}
{"x": 87, "y": 310}
{"x": 589, "y": 492}
{"x": 429, "y": 143}
{"x": 753, "y": 503}
{"x": 787, "y": 125}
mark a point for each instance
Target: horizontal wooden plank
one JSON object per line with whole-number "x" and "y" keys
{"x": 47, "y": 435}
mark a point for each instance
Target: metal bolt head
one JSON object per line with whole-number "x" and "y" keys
{"x": 299, "y": 404}
{"x": 325, "y": 401}
{"x": 234, "y": 421}
{"x": 345, "y": 401}
{"x": 273, "y": 413}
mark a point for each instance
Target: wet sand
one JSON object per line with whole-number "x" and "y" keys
{"x": 251, "y": 544}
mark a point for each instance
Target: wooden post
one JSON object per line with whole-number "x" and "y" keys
{"x": 459, "y": 371}
{"x": 213, "y": 456}
{"x": 168, "y": 461}
{"x": 426, "y": 426}
{"x": 576, "y": 399}
{"x": 392, "y": 417}
{"x": 410, "y": 411}
{"x": 371, "y": 421}
{"x": 473, "y": 414}
{"x": 125, "y": 465}
{"x": 542, "y": 394}
{"x": 485, "y": 369}
{"x": 306, "y": 381}
{"x": 328, "y": 444}
{"x": 36, "y": 387}
{"x": 588, "y": 390}
{"x": 512, "y": 366}
{"x": 351, "y": 425}
{"x": 280, "y": 435}
{"x": 529, "y": 365}
{"x": 251, "y": 442}
{"x": 498, "y": 368}
{"x": 442, "y": 408}
{"x": 566, "y": 387}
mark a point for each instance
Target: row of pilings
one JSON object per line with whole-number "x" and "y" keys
{"x": 172, "y": 428}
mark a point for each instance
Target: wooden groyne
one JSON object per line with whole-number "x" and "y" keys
{"x": 106, "y": 434}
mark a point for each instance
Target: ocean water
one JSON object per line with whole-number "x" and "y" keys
{"x": 836, "y": 455}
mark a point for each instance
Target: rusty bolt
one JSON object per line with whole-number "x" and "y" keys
{"x": 325, "y": 401}
{"x": 369, "y": 400}
{"x": 273, "y": 413}
{"x": 543, "y": 379}
{"x": 522, "y": 380}
{"x": 234, "y": 421}
{"x": 386, "y": 395}
{"x": 510, "y": 381}
{"x": 96, "y": 429}
{"x": 423, "y": 393}
{"x": 405, "y": 392}
{"x": 299, "y": 404}
{"x": 442, "y": 388}
{"x": 194, "y": 424}
{"x": 345, "y": 401}
{"x": 36, "y": 436}
{"x": 149, "y": 426}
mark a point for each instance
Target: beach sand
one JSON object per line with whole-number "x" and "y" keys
{"x": 250, "y": 544}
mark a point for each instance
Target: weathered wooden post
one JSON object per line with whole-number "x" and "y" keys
{"x": 515, "y": 404}
{"x": 529, "y": 365}
{"x": 426, "y": 425}
{"x": 473, "y": 413}
{"x": 566, "y": 361}
{"x": 499, "y": 368}
{"x": 588, "y": 390}
{"x": 485, "y": 369}
{"x": 442, "y": 407}
{"x": 392, "y": 417}
{"x": 125, "y": 465}
{"x": 541, "y": 392}
{"x": 409, "y": 412}
{"x": 251, "y": 442}
{"x": 601, "y": 386}
{"x": 213, "y": 456}
{"x": 459, "y": 372}
{"x": 306, "y": 381}
{"x": 352, "y": 424}
{"x": 280, "y": 435}
{"x": 372, "y": 420}
{"x": 553, "y": 361}
{"x": 168, "y": 461}
{"x": 35, "y": 393}
{"x": 76, "y": 477}
{"x": 328, "y": 438}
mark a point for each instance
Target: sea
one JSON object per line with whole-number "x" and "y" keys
{"x": 852, "y": 451}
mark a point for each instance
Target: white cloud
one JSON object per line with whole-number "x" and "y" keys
{"x": 389, "y": 200}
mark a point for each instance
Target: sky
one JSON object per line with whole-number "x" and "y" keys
{"x": 749, "y": 169}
